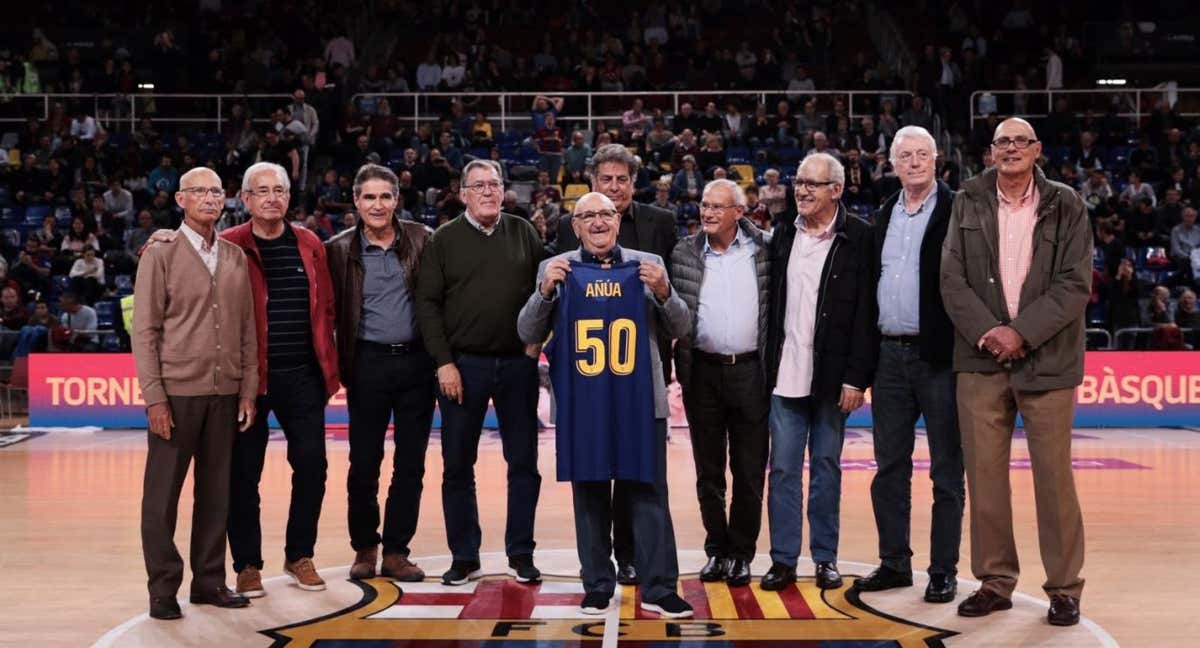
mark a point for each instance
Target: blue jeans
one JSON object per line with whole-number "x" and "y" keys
{"x": 819, "y": 425}
{"x": 907, "y": 387}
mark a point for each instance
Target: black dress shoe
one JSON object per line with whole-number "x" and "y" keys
{"x": 221, "y": 597}
{"x": 828, "y": 576}
{"x": 941, "y": 589}
{"x": 165, "y": 608}
{"x": 884, "y": 578}
{"x": 778, "y": 577}
{"x": 739, "y": 573}
{"x": 627, "y": 575}
{"x": 714, "y": 570}
{"x": 1064, "y": 610}
{"x": 982, "y": 603}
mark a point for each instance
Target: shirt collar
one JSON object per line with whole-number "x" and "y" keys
{"x": 740, "y": 239}
{"x": 1024, "y": 196}
{"x": 479, "y": 226}
{"x": 827, "y": 233}
{"x": 367, "y": 245}
{"x": 614, "y": 255}
{"x": 196, "y": 240}
{"x": 924, "y": 203}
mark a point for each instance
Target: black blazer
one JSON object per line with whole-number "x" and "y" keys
{"x": 654, "y": 227}
{"x": 937, "y": 331}
{"x": 846, "y": 339}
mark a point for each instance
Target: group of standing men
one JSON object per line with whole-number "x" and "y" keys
{"x": 965, "y": 309}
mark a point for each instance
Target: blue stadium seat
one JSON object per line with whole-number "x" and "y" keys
{"x": 37, "y": 213}
{"x": 5, "y": 196}
{"x": 124, "y": 284}
{"x": 110, "y": 342}
{"x": 11, "y": 237}
{"x": 106, "y": 313}
{"x": 60, "y": 284}
{"x": 11, "y": 215}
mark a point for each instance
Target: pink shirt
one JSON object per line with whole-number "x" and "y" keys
{"x": 805, "y": 263}
{"x": 1017, "y": 220}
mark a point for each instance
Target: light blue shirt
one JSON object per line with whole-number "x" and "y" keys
{"x": 900, "y": 279}
{"x": 727, "y": 314}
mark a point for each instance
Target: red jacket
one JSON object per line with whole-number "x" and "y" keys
{"x": 320, "y": 300}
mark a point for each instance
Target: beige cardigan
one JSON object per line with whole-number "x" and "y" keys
{"x": 193, "y": 333}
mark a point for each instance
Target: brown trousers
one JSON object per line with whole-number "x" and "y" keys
{"x": 204, "y": 429}
{"x": 987, "y": 410}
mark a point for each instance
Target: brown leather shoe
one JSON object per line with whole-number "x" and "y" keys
{"x": 221, "y": 597}
{"x": 982, "y": 603}
{"x": 1064, "y": 610}
{"x": 304, "y": 573}
{"x": 364, "y": 563}
{"x": 399, "y": 567}
{"x": 249, "y": 583}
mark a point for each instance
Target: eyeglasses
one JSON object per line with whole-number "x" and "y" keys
{"x": 922, "y": 155}
{"x": 603, "y": 214}
{"x": 707, "y": 206}
{"x": 484, "y": 187}
{"x": 263, "y": 192}
{"x": 199, "y": 192}
{"x": 1019, "y": 142}
{"x": 812, "y": 185}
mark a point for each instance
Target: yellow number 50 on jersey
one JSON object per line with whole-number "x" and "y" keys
{"x": 622, "y": 350}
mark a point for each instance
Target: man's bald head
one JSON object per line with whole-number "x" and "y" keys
{"x": 596, "y": 222}
{"x": 199, "y": 176}
{"x": 1015, "y": 148}
{"x": 1014, "y": 126}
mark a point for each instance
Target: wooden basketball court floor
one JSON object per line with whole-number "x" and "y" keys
{"x": 71, "y": 570}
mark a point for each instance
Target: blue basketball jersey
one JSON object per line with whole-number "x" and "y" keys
{"x": 600, "y": 368}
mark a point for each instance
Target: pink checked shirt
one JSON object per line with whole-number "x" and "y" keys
{"x": 1017, "y": 220}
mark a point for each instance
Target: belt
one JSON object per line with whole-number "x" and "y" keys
{"x": 903, "y": 339}
{"x": 391, "y": 349}
{"x": 725, "y": 358}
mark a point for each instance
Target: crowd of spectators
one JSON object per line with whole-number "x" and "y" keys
{"x": 81, "y": 190}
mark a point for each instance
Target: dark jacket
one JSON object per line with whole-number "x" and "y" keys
{"x": 937, "y": 331}
{"x": 320, "y": 300}
{"x": 346, "y": 270}
{"x": 846, "y": 338}
{"x": 1053, "y": 299}
{"x": 687, "y": 274}
{"x": 656, "y": 232}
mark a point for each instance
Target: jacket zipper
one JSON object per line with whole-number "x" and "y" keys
{"x": 825, "y": 285}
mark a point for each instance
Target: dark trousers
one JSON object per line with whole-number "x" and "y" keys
{"x": 907, "y": 387}
{"x": 204, "y": 429}
{"x": 622, "y": 511}
{"x": 386, "y": 386}
{"x": 727, "y": 408}
{"x": 654, "y": 552}
{"x": 297, "y": 396}
{"x": 511, "y": 383}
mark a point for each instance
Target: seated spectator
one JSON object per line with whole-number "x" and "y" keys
{"x": 869, "y": 140}
{"x": 118, "y": 201}
{"x": 1096, "y": 191}
{"x": 820, "y": 144}
{"x": 87, "y": 276}
{"x": 1187, "y": 314}
{"x": 453, "y": 154}
{"x": 916, "y": 115}
{"x": 48, "y": 237}
{"x": 1158, "y": 311}
{"x": 762, "y": 128}
{"x": 33, "y": 267}
{"x": 859, "y": 189}
{"x": 634, "y": 122}
{"x": 13, "y": 317}
{"x": 76, "y": 317}
{"x": 712, "y": 155}
{"x": 512, "y": 205}
{"x": 773, "y": 194}
{"x": 756, "y": 210}
{"x": 164, "y": 177}
{"x": 1185, "y": 237}
{"x": 799, "y": 84}
{"x": 1124, "y": 291}
{"x": 481, "y": 131}
{"x": 1137, "y": 190}
{"x": 1167, "y": 337}
{"x": 688, "y": 182}
{"x": 79, "y": 237}
{"x": 136, "y": 238}
{"x": 545, "y": 192}
{"x": 711, "y": 121}
{"x": 685, "y": 146}
{"x": 686, "y": 119}
{"x": 735, "y": 126}
{"x": 575, "y": 160}
{"x": 662, "y": 197}
{"x": 889, "y": 124}
{"x": 659, "y": 142}
{"x": 1139, "y": 225}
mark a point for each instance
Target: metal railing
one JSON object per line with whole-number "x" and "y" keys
{"x": 1133, "y": 101}
{"x": 1135, "y": 331}
{"x": 113, "y": 110}
{"x": 514, "y": 107}
{"x": 1108, "y": 344}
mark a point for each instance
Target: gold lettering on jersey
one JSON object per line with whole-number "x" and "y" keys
{"x": 602, "y": 288}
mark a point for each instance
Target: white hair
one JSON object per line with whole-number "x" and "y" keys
{"x": 911, "y": 131}
{"x": 739, "y": 196}
{"x": 837, "y": 173}
{"x": 260, "y": 167}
